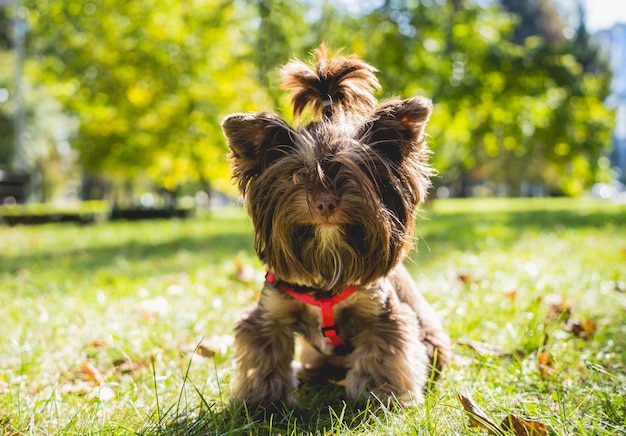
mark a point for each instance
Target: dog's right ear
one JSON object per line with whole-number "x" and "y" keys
{"x": 397, "y": 127}
{"x": 255, "y": 141}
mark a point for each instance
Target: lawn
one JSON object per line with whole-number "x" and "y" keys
{"x": 125, "y": 328}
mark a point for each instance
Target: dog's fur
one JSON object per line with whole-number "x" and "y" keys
{"x": 333, "y": 203}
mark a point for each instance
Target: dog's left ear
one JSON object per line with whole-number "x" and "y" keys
{"x": 254, "y": 140}
{"x": 397, "y": 127}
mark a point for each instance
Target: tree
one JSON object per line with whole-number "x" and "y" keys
{"x": 510, "y": 113}
{"x": 149, "y": 85}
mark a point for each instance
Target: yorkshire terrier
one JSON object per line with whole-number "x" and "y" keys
{"x": 333, "y": 201}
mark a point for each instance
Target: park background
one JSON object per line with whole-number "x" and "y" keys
{"x": 113, "y": 100}
{"x": 120, "y": 326}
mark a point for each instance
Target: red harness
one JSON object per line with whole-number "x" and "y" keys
{"x": 329, "y": 329}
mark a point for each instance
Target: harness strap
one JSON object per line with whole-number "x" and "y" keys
{"x": 329, "y": 329}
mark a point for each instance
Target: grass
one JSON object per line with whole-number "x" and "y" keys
{"x": 124, "y": 328}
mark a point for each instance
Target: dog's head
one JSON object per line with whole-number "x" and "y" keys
{"x": 333, "y": 202}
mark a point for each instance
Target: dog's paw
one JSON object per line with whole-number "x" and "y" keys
{"x": 266, "y": 391}
{"x": 361, "y": 386}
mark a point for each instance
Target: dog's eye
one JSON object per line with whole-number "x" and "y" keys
{"x": 299, "y": 176}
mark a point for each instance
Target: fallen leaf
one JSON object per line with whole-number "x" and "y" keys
{"x": 126, "y": 365}
{"x": 560, "y": 307}
{"x": 209, "y": 346}
{"x": 546, "y": 365}
{"x": 510, "y": 425}
{"x": 93, "y": 373}
{"x": 99, "y": 343}
{"x": 523, "y": 427}
{"x": 582, "y": 329}
{"x": 464, "y": 277}
{"x": 510, "y": 294}
{"x": 477, "y": 417}
{"x": 6, "y": 427}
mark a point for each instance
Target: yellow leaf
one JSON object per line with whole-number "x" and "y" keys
{"x": 477, "y": 417}
{"x": 139, "y": 96}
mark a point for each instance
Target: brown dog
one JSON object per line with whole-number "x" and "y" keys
{"x": 333, "y": 204}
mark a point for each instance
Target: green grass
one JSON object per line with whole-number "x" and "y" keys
{"x": 99, "y": 324}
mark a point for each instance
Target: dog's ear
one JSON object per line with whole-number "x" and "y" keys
{"x": 397, "y": 127}
{"x": 255, "y": 140}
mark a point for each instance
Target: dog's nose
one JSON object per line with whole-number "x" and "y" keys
{"x": 326, "y": 205}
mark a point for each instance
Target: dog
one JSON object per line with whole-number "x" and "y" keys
{"x": 333, "y": 199}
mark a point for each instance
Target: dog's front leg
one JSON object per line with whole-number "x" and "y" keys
{"x": 388, "y": 361}
{"x": 264, "y": 351}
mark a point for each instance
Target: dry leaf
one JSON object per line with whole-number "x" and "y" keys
{"x": 7, "y": 429}
{"x": 582, "y": 329}
{"x": 93, "y": 373}
{"x": 546, "y": 365}
{"x": 99, "y": 343}
{"x": 126, "y": 365}
{"x": 464, "y": 277}
{"x": 511, "y": 294}
{"x": 523, "y": 427}
{"x": 518, "y": 426}
{"x": 560, "y": 307}
{"x": 211, "y": 345}
{"x": 478, "y": 418}
{"x": 215, "y": 344}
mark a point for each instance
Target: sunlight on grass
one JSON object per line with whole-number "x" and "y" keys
{"x": 124, "y": 328}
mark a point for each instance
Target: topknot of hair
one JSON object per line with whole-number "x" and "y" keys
{"x": 334, "y": 83}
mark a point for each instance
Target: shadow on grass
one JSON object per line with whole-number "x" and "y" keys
{"x": 139, "y": 251}
{"x": 470, "y": 231}
{"x": 320, "y": 411}
{"x": 130, "y": 250}
{"x": 210, "y": 249}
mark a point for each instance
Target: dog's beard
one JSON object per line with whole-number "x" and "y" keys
{"x": 329, "y": 257}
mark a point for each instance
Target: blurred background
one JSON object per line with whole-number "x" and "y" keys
{"x": 121, "y": 101}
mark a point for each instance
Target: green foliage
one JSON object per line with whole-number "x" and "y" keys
{"x": 149, "y": 82}
{"x": 504, "y": 112}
